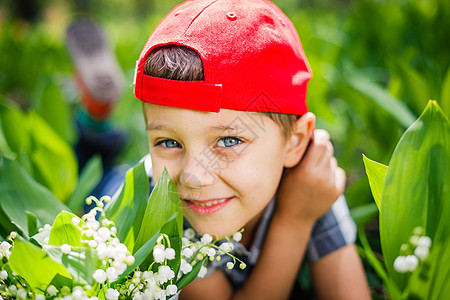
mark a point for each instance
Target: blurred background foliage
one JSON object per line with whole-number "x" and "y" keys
{"x": 375, "y": 64}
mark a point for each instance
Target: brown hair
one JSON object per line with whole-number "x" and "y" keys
{"x": 182, "y": 63}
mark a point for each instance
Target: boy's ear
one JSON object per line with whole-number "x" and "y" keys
{"x": 299, "y": 139}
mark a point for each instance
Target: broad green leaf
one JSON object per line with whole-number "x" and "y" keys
{"x": 380, "y": 96}
{"x": 20, "y": 193}
{"x": 81, "y": 262}
{"x": 53, "y": 158}
{"x": 34, "y": 265}
{"x": 64, "y": 231}
{"x": 163, "y": 203}
{"x": 376, "y": 173}
{"x": 128, "y": 209}
{"x": 88, "y": 179}
{"x": 186, "y": 279}
{"x": 12, "y": 128}
{"x": 416, "y": 190}
{"x": 31, "y": 223}
{"x": 49, "y": 104}
{"x": 430, "y": 280}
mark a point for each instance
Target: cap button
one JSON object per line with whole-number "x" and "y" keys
{"x": 231, "y": 16}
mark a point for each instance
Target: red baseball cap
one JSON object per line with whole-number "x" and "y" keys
{"x": 251, "y": 53}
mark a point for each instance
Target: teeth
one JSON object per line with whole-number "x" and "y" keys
{"x": 209, "y": 203}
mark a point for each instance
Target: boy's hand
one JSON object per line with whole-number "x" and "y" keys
{"x": 308, "y": 190}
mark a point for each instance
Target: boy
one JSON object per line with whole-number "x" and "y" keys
{"x": 224, "y": 87}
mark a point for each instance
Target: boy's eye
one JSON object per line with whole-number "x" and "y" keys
{"x": 228, "y": 141}
{"x": 168, "y": 144}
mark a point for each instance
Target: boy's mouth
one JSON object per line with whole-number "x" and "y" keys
{"x": 207, "y": 207}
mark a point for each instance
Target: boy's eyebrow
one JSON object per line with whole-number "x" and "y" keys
{"x": 230, "y": 127}
{"x": 156, "y": 126}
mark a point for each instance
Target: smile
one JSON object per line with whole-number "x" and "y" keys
{"x": 207, "y": 207}
{"x": 208, "y": 203}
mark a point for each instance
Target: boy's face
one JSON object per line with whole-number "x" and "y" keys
{"x": 226, "y": 166}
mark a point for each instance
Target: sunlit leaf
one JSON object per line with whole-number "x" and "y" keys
{"x": 64, "y": 231}
{"x": 34, "y": 265}
{"x": 81, "y": 262}
{"x": 376, "y": 173}
{"x": 416, "y": 190}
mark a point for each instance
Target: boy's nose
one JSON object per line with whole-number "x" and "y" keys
{"x": 196, "y": 173}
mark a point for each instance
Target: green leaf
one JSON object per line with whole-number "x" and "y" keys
{"x": 445, "y": 94}
{"x": 376, "y": 173}
{"x": 20, "y": 193}
{"x": 173, "y": 232}
{"x": 417, "y": 186}
{"x": 186, "y": 279}
{"x": 12, "y": 131}
{"x": 5, "y": 223}
{"x": 87, "y": 181}
{"x": 163, "y": 203}
{"x": 64, "y": 231}
{"x": 39, "y": 238}
{"x": 364, "y": 213}
{"x": 430, "y": 280}
{"x": 398, "y": 110}
{"x": 49, "y": 104}
{"x": 145, "y": 253}
{"x": 32, "y": 223}
{"x": 81, "y": 262}
{"x": 414, "y": 82}
{"x": 376, "y": 264}
{"x": 55, "y": 163}
{"x": 127, "y": 211}
{"x": 34, "y": 265}
{"x": 5, "y": 150}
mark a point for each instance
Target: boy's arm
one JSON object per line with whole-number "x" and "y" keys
{"x": 340, "y": 275}
{"x": 306, "y": 193}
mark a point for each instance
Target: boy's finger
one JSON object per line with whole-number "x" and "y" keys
{"x": 340, "y": 179}
{"x": 321, "y": 135}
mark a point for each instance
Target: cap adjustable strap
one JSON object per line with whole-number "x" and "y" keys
{"x": 196, "y": 95}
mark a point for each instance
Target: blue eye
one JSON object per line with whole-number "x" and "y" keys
{"x": 228, "y": 141}
{"x": 169, "y": 144}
